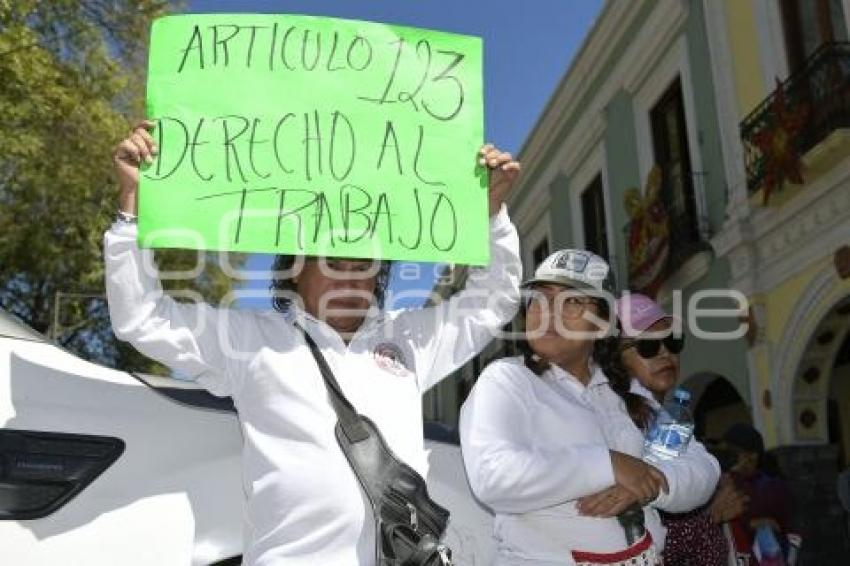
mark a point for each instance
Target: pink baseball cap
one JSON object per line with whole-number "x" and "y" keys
{"x": 637, "y": 313}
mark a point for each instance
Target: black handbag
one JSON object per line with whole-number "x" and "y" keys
{"x": 409, "y": 524}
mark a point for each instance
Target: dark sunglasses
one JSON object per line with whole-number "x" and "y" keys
{"x": 649, "y": 348}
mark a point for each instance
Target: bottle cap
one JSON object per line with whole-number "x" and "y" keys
{"x": 682, "y": 395}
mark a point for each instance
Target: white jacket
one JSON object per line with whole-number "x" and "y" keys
{"x": 304, "y": 505}
{"x": 534, "y": 445}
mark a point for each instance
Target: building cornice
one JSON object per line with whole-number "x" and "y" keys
{"x": 542, "y": 153}
{"x": 607, "y": 32}
{"x": 776, "y": 244}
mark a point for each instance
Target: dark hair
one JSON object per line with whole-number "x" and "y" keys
{"x": 607, "y": 355}
{"x": 744, "y": 436}
{"x": 282, "y": 286}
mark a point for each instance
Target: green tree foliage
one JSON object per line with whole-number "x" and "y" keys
{"x": 71, "y": 82}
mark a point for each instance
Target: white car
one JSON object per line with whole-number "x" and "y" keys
{"x": 104, "y": 467}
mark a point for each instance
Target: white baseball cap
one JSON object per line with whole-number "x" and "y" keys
{"x": 579, "y": 269}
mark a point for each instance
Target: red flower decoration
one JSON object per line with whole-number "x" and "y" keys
{"x": 776, "y": 142}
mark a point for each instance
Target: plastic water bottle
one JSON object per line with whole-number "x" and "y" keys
{"x": 671, "y": 430}
{"x": 766, "y": 548}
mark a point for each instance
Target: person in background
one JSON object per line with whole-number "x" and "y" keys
{"x": 844, "y": 495}
{"x": 550, "y": 441}
{"x": 651, "y": 357}
{"x": 768, "y": 497}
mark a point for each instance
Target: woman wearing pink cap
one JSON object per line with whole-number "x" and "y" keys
{"x": 650, "y": 346}
{"x": 549, "y": 437}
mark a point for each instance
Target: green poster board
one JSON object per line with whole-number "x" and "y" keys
{"x": 315, "y": 136}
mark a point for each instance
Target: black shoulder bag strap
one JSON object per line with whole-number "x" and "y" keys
{"x": 409, "y": 524}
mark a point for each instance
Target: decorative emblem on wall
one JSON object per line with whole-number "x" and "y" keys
{"x": 808, "y": 418}
{"x": 811, "y": 375}
{"x": 649, "y": 235}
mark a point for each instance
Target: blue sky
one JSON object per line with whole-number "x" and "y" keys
{"x": 527, "y": 48}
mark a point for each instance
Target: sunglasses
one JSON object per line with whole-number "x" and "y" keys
{"x": 649, "y": 348}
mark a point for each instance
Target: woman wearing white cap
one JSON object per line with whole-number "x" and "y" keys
{"x": 549, "y": 438}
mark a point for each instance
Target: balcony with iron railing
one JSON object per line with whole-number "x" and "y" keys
{"x": 815, "y": 101}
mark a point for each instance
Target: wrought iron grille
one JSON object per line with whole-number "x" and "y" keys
{"x": 822, "y": 87}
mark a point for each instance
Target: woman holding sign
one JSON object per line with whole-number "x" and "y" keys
{"x": 304, "y": 503}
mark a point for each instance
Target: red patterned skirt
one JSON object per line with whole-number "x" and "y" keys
{"x": 693, "y": 540}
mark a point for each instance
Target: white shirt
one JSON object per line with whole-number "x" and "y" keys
{"x": 534, "y": 445}
{"x": 304, "y": 505}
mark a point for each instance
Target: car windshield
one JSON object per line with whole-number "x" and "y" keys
{"x": 13, "y": 327}
{"x": 88, "y": 346}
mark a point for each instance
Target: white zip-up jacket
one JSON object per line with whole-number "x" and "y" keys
{"x": 534, "y": 445}
{"x": 304, "y": 505}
